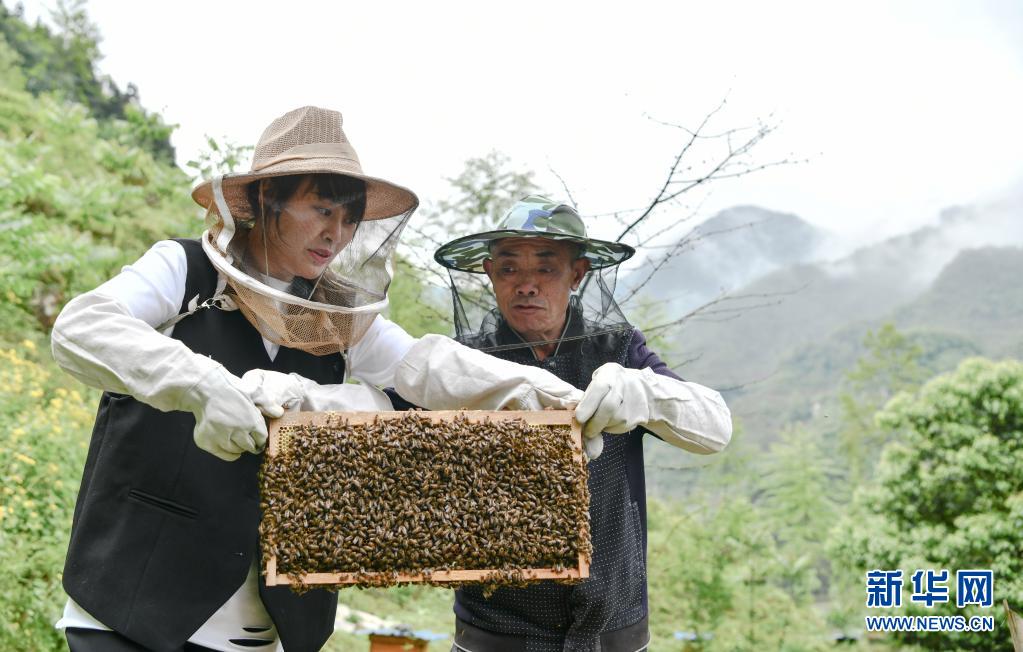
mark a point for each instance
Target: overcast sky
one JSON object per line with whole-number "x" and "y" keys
{"x": 902, "y": 108}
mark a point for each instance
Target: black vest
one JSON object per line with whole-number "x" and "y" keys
{"x": 164, "y": 532}
{"x": 552, "y": 617}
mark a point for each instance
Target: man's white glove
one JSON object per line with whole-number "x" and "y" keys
{"x": 687, "y": 415}
{"x": 295, "y": 392}
{"x": 438, "y": 373}
{"x": 227, "y": 422}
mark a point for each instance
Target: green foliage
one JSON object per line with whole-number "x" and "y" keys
{"x": 800, "y": 505}
{"x": 719, "y": 572}
{"x": 75, "y": 205}
{"x": 64, "y": 64}
{"x": 888, "y": 366}
{"x": 649, "y": 312}
{"x": 219, "y": 158}
{"x": 949, "y": 490}
{"x": 484, "y": 190}
{"x": 80, "y": 196}
{"x": 481, "y": 194}
{"x": 418, "y": 607}
{"x": 44, "y": 428}
{"x": 416, "y": 306}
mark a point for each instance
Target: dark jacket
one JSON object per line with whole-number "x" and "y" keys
{"x": 556, "y": 617}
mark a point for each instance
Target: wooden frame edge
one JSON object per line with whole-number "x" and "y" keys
{"x": 545, "y": 417}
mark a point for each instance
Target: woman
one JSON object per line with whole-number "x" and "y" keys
{"x": 193, "y": 345}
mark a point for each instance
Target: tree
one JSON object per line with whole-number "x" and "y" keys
{"x": 799, "y": 504}
{"x": 415, "y": 306}
{"x": 948, "y": 493}
{"x": 716, "y": 571}
{"x": 889, "y": 365}
{"x": 485, "y": 188}
{"x": 65, "y": 63}
{"x": 483, "y": 191}
{"x": 219, "y": 157}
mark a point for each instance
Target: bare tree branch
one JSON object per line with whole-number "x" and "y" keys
{"x": 685, "y": 244}
{"x": 564, "y": 186}
{"x": 708, "y": 308}
{"x": 660, "y": 197}
{"x": 755, "y": 381}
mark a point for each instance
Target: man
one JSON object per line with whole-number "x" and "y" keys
{"x": 555, "y": 312}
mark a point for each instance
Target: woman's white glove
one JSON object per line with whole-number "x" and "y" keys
{"x": 687, "y": 415}
{"x": 97, "y": 340}
{"x": 438, "y": 373}
{"x": 273, "y": 392}
{"x": 295, "y": 392}
{"x": 343, "y": 398}
{"x": 227, "y": 422}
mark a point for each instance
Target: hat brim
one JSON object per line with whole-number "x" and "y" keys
{"x": 467, "y": 253}
{"x": 383, "y": 198}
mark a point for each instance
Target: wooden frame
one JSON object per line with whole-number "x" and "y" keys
{"x": 545, "y": 418}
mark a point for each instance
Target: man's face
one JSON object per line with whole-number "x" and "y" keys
{"x": 533, "y": 279}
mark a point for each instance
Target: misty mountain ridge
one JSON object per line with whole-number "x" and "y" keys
{"x": 945, "y": 285}
{"x": 916, "y": 258}
{"x": 812, "y": 300}
{"x": 726, "y": 252}
{"x": 739, "y": 245}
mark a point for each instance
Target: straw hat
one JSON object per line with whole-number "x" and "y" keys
{"x": 308, "y": 140}
{"x": 537, "y": 217}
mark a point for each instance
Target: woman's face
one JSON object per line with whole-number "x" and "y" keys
{"x": 309, "y": 233}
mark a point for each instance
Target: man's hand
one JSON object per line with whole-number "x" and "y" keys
{"x": 687, "y": 415}
{"x": 615, "y": 401}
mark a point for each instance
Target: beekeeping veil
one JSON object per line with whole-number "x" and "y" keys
{"x": 320, "y": 315}
{"x": 592, "y": 309}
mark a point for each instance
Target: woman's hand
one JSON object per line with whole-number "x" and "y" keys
{"x": 273, "y": 392}
{"x": 227, "y": 422}
{"x": 294, "y": 392}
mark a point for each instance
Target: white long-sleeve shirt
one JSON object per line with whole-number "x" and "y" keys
{"x": 89, "y": 343}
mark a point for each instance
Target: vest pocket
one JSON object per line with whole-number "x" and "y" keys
{"x": 162, "y": 504}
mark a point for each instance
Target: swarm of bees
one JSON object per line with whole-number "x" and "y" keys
{"x": 413, "y": 496}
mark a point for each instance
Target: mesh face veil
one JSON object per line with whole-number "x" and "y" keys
{"x": 591, "y": 310}
{"x": 303, "y": 241}
{"x": 292, "y": 273}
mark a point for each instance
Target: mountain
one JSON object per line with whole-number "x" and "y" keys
{"x": 726, "y": 252}
{"x": 978, "y": 295}
{"x": 780, "y": 351}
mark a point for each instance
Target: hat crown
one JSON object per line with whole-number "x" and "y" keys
{"x": 543, "y": 216}
{"x": 303, "y": 130}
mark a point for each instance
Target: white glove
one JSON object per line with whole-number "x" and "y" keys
{"x": 97, "y": 340}
{"x": 438, "y": 373}
{"x": 227, "y": 422}
{"x": 273, "y": 392}
{"x": 687, "y": 415}
{"x": 342, "y": 398}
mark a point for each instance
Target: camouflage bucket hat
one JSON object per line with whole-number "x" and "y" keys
{"x": 532, "y": 217}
